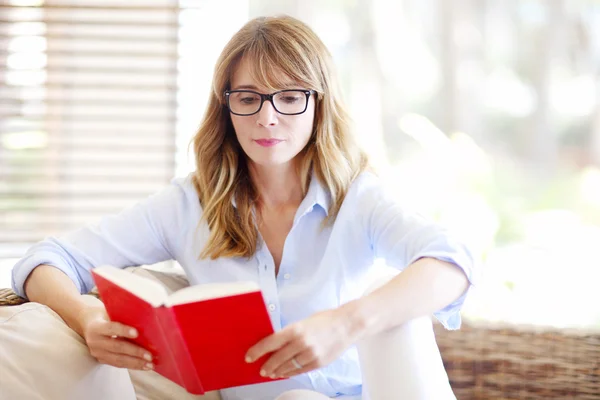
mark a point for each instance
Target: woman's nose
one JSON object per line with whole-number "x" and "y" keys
{"x": 267, "y": 116}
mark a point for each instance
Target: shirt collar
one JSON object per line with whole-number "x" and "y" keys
{"x": 316, "y": 195}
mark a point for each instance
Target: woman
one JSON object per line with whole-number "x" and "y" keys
{"x": 281, "y": 195}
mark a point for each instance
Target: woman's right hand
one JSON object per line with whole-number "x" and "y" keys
{"x": 107, "y": 343}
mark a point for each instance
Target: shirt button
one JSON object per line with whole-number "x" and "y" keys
{"x": 287, "y": 276}
{"x": 272, "y": 307}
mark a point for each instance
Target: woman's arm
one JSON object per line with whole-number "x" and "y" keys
{"x": 50, "y": 286}
{"x": 423, "y": 288}
{"x": 56, "y": 272}
{"x": 437, "y": 268}
{"x": 142, "y": 234}
{"x": 87, "y": 316}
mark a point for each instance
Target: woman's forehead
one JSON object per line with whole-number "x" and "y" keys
{"x": 248, "y": 75}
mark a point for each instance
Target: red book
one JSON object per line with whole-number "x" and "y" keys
{"x": 199, "y": 335}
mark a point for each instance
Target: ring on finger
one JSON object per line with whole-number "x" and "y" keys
{"x": 296, "y": 363}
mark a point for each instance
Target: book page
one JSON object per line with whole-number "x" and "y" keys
{"x": 210, "y": 291}
{"x": 146, "y": 289}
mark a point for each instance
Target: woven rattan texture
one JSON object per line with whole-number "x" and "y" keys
{"x": 513, "y": 362}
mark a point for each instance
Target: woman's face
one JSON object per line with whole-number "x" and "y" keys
{"x": 269, "y": 138}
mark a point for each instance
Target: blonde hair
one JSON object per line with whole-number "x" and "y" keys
{"x": 276, "y": 46}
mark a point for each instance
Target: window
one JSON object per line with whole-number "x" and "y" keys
{"x": 98, "y": 101}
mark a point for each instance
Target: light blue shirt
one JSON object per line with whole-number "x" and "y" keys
{"x": 320, "y": 268}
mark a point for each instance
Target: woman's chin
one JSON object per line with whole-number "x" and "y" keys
{"x": 270, "y": 162}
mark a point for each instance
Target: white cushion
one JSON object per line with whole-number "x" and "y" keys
{"x": 42, "y": 358}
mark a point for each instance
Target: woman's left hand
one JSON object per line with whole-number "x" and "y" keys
{"x": 312, "y": 343}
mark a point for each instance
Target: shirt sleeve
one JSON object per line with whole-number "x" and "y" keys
{"x": 401, "y": 237}
{"x": 139, "y": 235}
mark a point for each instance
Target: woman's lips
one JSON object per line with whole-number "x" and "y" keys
{"x": 268, "y": 142}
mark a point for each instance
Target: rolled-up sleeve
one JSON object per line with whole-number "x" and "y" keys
{"x": 401, "y": 237}
{"x": 141, "y": 234}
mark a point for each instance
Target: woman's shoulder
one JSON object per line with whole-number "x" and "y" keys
{"x": 361, "y": 194}
{"x": 180, "y": 193}
{"x": 370, "y": 190}
{"x": 365, "y": 184}
{"x": 367, "y": 178}
{"x": 184, "y": 185}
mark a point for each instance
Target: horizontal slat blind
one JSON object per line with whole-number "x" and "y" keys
{"x": 88, "y": 111}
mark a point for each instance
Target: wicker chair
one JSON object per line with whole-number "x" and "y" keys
{"x": 506, "y": 363}
{"x": 518, "y": 362}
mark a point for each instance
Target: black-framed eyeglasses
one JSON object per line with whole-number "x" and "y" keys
{"x": 286, "y": 102}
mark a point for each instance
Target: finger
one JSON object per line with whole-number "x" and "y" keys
{"x": 305, "y": 359}
{"x": 116, "y": 329}
{"x": 120, "y": 346}
{"x": 123, "y": 361}
{"x": 280, "y": 357}
{"x": 267, "y": 345}
{"x": 305, "y": 368}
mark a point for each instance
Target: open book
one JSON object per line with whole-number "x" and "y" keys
{"x": 198, "y": 335}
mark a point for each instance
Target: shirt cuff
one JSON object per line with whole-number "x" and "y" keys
{"x": 26, "y": 265}
{"x": 449, "y": 316}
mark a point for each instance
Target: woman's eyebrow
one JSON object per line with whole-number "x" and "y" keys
{"x": 245, "y": 87}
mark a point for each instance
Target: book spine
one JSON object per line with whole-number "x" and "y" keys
{"x": 182, "y": 360}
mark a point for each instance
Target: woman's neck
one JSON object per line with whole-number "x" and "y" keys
{"x": 278, "y": 187}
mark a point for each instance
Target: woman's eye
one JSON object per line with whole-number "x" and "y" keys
{"x": 247, "y": 100}
{"x": 290, "y": 99}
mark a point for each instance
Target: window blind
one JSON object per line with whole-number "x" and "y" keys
{"x": 88, "y": 112}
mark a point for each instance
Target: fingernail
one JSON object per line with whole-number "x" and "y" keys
{"x": 148, "y": 356}
{"x": 263, "y": 372}
{"x": 148, "y": 366}
{"x": 273, "y": 376}
{"x": 132, "y": 333}
{"x": 248, "y": 359}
